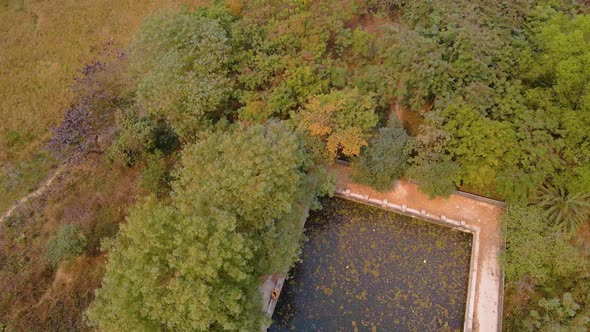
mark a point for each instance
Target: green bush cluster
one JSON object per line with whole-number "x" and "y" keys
{"x": 384, "y": 159}
{"x": 68, "y": 242}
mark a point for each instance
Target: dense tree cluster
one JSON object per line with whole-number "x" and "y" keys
{"x": 547, "y": 279}
{"x": 257, "y": 97}
{"x": 502, "y": 88}
{"x": 182, "y": 61}
{"x": 237, "y": 213}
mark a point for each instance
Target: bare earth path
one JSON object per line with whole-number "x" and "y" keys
{"x": 38, "y": 192}
{"x": 474, "y": 212}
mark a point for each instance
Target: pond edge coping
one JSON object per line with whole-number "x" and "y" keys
{"x": 274, "y": 283}
{"x": 421, "y": 214}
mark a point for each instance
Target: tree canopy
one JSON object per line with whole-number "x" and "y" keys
{"x": 182, "y": 60}
{"x": 237, "y": 214}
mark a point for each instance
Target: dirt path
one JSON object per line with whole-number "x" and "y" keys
{"x": 40, "y": 191}
{"x": 474, "y": 212}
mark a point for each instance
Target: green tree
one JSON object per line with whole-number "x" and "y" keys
{"x": 555, "y": 76}
{"x": 483, "y": 147}
{"x": 182, "y": 62}
{"x": 169, "y": 271}
{"x": 237, "y": 213}
{"x": 261, "y": 174}
{"x": 541, "y": 266}
{"x": 536, "y": 250}
{"x": 135, "y": 138}
{"x": 435, "y": 178}
{"x": 432, "y": 168}
{"x": 384, "y": 159}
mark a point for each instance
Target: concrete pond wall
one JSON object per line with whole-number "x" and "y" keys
{"x": 462, "y": 211}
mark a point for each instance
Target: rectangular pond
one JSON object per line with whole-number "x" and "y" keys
{"x": 364, "y": 267}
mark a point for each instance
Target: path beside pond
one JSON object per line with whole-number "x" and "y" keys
{"x": 480, "y": 213}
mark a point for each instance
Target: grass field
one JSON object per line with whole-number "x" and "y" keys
{"x": 43, "y": 45}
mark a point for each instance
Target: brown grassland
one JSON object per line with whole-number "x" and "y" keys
{"x": 43, "y": 45}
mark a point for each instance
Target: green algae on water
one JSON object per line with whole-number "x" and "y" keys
{"x": 364, "y": 267}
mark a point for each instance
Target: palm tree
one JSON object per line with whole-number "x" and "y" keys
{"x": 568, "y": 210}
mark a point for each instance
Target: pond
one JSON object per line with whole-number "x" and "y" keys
{"x": 371, "y": 269}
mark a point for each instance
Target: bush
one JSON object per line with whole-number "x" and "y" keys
{"x": 99, "y": 91}
{"x": 383, "y": 160}
{"x": 542, "y": 266}
{"x": 563, "y": 208}
{"x": 134, "y": 139}
{"x": 156, "y": 177}
{"x": 68, "y": 242}
{"x": 435, "y": 178}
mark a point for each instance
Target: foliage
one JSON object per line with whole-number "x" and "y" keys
{"x": 139, "y": 136}
{"x": 287, "y": 52}
{"x": 432, "y": 168}
{"x": 68, "y": 242}
{"x": 553, "y": 69}
{"x": 163, "y": 261}
{"x": 182, "y": 58}
{"x": 503, "y": 96}
{"x": 558, "y": 314}
{"x": 535, "y": 249}
{"x": 384, "y": 159}
{"x": 341, "y": 120}
{"x": 481, "y": 146}
{"x": 257, "y": 173}
{"x": 135, "y": 138}
{"x": 237, "y": 213}
{"x": 156, "y": 177}
{"x": 435, "y": 178}
{"x": 540, "y": 263}
{"x": 564, "y": 209}
{"x": 445, "y": 54}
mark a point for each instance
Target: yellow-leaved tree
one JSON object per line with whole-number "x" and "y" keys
{"x": 337, "y": 122}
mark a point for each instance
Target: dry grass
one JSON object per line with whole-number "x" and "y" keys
{"x": 95, "y": 197}
{"x": 43, "y": 44}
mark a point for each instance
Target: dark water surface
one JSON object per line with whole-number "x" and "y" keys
{"x": 365, "y": 267}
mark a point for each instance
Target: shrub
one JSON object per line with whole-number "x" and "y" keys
{"x": 135, "y": 138}
{"x": 156, "y": 177}
{"x": 99, "y": 91}
{"x": 106, "y": 225}
{"x": 67, "y": 243}
{"x": 563, "y": 208}
{"x": 341, "y": 120}
{"x": 435, "y": 178}
{"x": 383, "y": 160}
